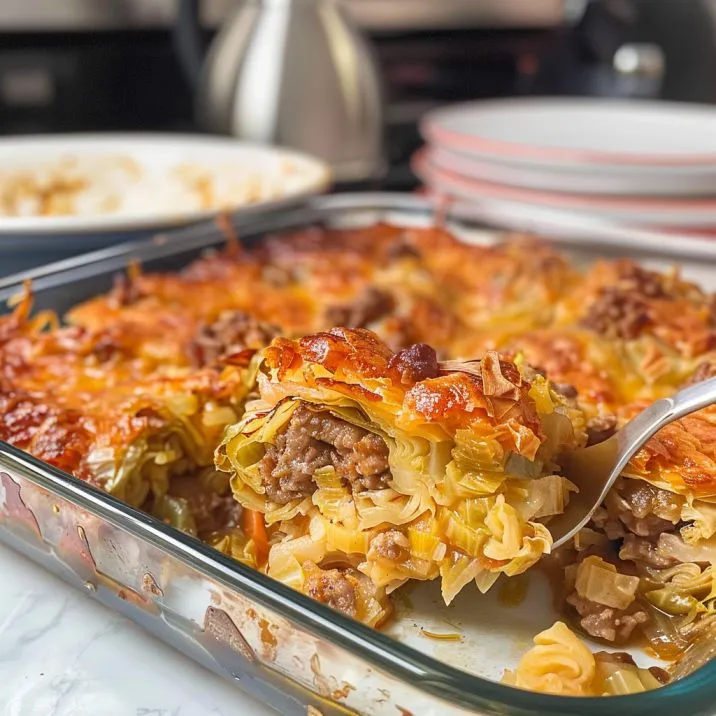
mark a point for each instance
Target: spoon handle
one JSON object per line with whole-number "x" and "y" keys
{"x": 695, "y": 397}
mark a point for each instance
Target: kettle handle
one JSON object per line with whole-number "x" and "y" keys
{"x": 189, "y": 41}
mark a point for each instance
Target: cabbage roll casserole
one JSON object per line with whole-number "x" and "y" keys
{"x": 351, "y": 411}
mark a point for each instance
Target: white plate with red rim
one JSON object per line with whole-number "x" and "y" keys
{"x": 671, "y": 182}
{"x": 582, "y": 132}
{"x": 93, "y": 183}
{"x": 646, "y": 211}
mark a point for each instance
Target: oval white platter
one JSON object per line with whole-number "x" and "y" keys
{"x": 129, "y": 182}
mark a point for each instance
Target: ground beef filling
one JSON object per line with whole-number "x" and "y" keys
{"x": 601, "y": 428}
{"x": 615, "y": 625}
{"x": 635, "y": 513}
{"x": 638, "y": 508}
{"x": 617, "y": 314}
{"x": 703, "y": 371}
{"x": 313, "y": 440}
{"x": 367, "y": 307}
{"x": 391, "y": 545}
{"x": 622, "y": 310}
{"x": 333, "y": 588}
{"x": 415, "y": 363}
{"x": 212, "y": 511}
{"x": 125, "y": 291}
{"x": 232, "y": 332}
{"x": 565, "y": 389}
{"x": 644, "y": 551}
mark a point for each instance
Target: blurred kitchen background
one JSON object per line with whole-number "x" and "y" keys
{"x": 84, "y": 65}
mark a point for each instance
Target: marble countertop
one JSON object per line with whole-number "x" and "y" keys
{"x": 63, "y": 654}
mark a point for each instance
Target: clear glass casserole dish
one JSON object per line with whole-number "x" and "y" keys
{"x": 284, "y": 648}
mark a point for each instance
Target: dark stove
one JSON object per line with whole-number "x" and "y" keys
{"x": 121, "y": 77}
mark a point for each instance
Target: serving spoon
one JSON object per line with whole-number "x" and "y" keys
{"x": 594, "y": 469}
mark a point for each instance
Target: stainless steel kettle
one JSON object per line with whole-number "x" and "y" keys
{"x": 291, "y": 72}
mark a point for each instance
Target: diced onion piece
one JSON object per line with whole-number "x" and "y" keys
{"x": 550, "y": 495}
{"x": 600, "y": 582}
{"x": 625, "y": 679}
{"x": 587, "y": 537}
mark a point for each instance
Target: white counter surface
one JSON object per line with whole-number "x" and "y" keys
{"x": 63, "y": 654}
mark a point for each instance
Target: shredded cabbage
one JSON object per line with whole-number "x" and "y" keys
{"x": 671, "y": 545}
{"x": 456, "y": 573}
{"x": 702, "y": 515}
{"x": 175, "y": 511}
{"x": 465, "y": 499}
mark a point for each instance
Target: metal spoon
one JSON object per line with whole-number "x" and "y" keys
{"x": 594, "y": 469}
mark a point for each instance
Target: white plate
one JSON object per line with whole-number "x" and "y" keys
{"x": 123, "y": 182}
{"x": 579, "y": 131}
{"x": 682, "y": 214}
{"x": 649, "y": 181}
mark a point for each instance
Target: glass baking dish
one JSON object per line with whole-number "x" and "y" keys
{"x": 287, "y": 650}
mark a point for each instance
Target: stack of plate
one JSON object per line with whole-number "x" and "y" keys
{"x": 645, "y": 164}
